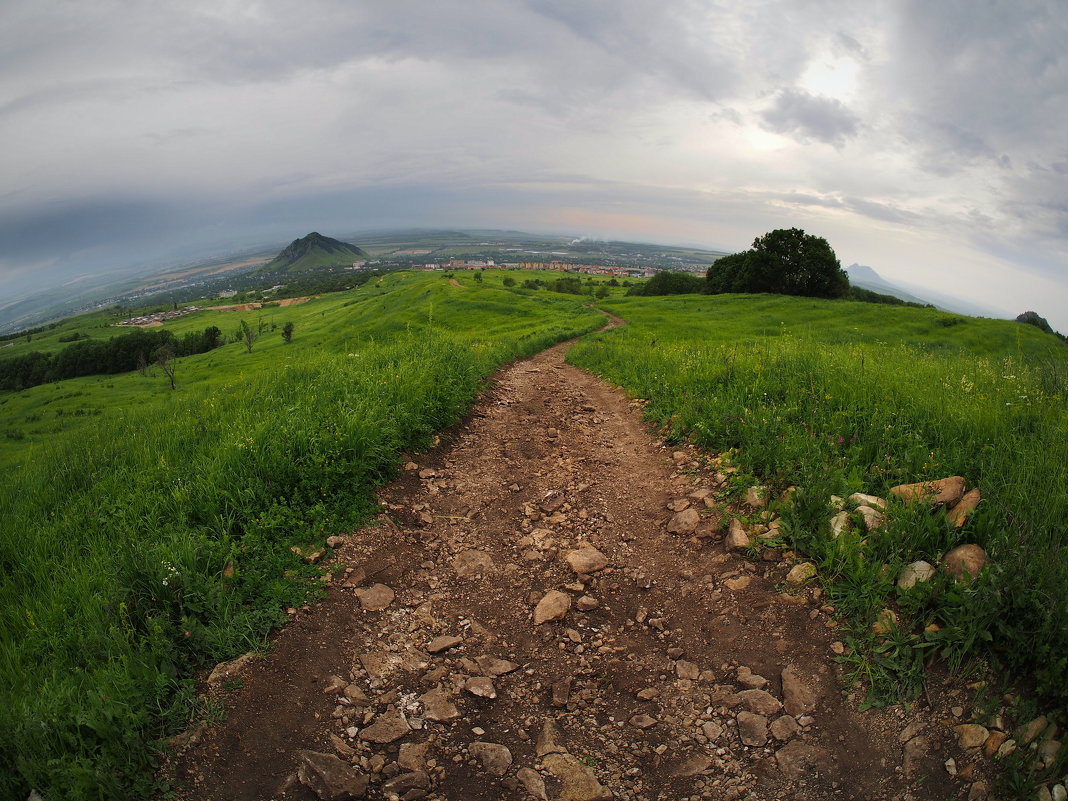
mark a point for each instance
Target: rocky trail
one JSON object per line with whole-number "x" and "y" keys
{"x": 549, "y": 607}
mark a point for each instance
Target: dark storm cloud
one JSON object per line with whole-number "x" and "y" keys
{"x": 805, "y": 117}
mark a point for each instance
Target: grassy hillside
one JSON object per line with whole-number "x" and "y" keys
{"x": 836, "y": 397}
{"x": 147, "y": 532}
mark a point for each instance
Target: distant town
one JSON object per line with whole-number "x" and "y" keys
{"x": 490, "y": 264}
{"x": 158, "y": 318}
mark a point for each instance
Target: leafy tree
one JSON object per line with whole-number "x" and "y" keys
{"x": 212, "y": 337}
{"x": 287, "y": 332}
{"x": 602, "y": 292}
{"x": 784, "y": 261}
{"x": 508, "y": 281}
{"x": 248, "y": 336}
{"x": 164, "y": 358}
{"x": 478, "y": 276}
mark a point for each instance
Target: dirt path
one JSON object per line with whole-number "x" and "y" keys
{"x": 443, "y": 687}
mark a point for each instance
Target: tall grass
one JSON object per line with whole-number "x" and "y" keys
{"x": 832, "y": 413}
{"x": 156, "y": 542}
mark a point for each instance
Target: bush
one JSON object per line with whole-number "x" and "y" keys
{"x": 669, "y": 283}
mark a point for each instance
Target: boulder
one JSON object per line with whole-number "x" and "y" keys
{"x": 839, "y": 523}
{"x": 914, "y": 753}
{"x": 753, "y": 729}
{"x": 469, "y": 564}
{"x": 874, "y": 501}
{"x": 784, "y": 728}
{"x": 495, "y": 758}
{"x": 873, "y": 518}
{"x": 756, "y": 497}
{"x": 914, "y": 574}
{"x": 532, "y": 783}
{"x": 737, "y": 539}
{"x": 553, "y": 606}
{"x": 438, "y": 707}
{"x": 549, "y": 740}
{"x": 587, "y": 560}
{"x": 492, "y": 666}
{"x": 801, "y": 573}
{"x": 964, "y": 560}
{"x": 884, "y": 622}
{"x": 687, "y": 670}
{"x": 330, "y": 778}
{"x": 579, "y": 782}
{"x": 403, "y": 783}
{"x": 443, "y": 643}
{"x": 684, "y": 522}
{"x": 971, "y": 735}
{"x": 958, "y": 515}
{"x": 388, "y": 726}
{"x": 798, "y": 696}
{"x": 797, "y": 760}
{"x": 375, "y": 598}
{"x": 481, "y": 686}
{"x": 760, "y": 702}
{"x": 225, "y": 671}
{"x": 945, "y": 491}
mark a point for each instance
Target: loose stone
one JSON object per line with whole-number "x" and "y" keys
{"x": 553, "y": 606}
{"x": 376, "y": 597}
{"x": 495, "y": 758}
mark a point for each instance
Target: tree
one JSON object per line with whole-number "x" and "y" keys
{"x": 287, "y": 332}
{"x": 784, "y": 261}
{"x": 164, "y": 358}
{"x": 212, "y": 337}
{"x": 508, "y": 281}
{"x": 478, "y": 276}
{"x": 248, "y": 336}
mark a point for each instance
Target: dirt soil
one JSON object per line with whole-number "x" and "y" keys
{"x": 679, "y": 670}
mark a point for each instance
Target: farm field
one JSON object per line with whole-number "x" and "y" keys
{"x": 837, "y": 397}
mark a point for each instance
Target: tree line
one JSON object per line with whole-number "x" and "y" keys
{"x": 119, "y": 354}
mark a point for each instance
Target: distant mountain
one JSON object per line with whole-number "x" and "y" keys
{"x": 866, "y": 278}
{"x": 314, "y": 252}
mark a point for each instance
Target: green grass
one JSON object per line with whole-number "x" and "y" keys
{"x": 149, "y": 537}
{"x": 838, "y": 397}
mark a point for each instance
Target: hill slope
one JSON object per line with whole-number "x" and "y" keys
{"x": 866, "y": 278}
{"x": 312, "y": 252}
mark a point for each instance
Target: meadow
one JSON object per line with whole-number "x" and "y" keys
{"x": 835, "y": 397}
{"x": 146, "y": 532}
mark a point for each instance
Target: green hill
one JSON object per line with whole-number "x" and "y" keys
{"x": 177, "y": 510}
{"x": 314, "y": 252}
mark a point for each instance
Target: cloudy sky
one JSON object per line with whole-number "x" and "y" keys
{"x": 928, "y": 140}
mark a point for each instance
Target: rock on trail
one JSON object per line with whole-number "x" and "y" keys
{"x": 549, "y": 607}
